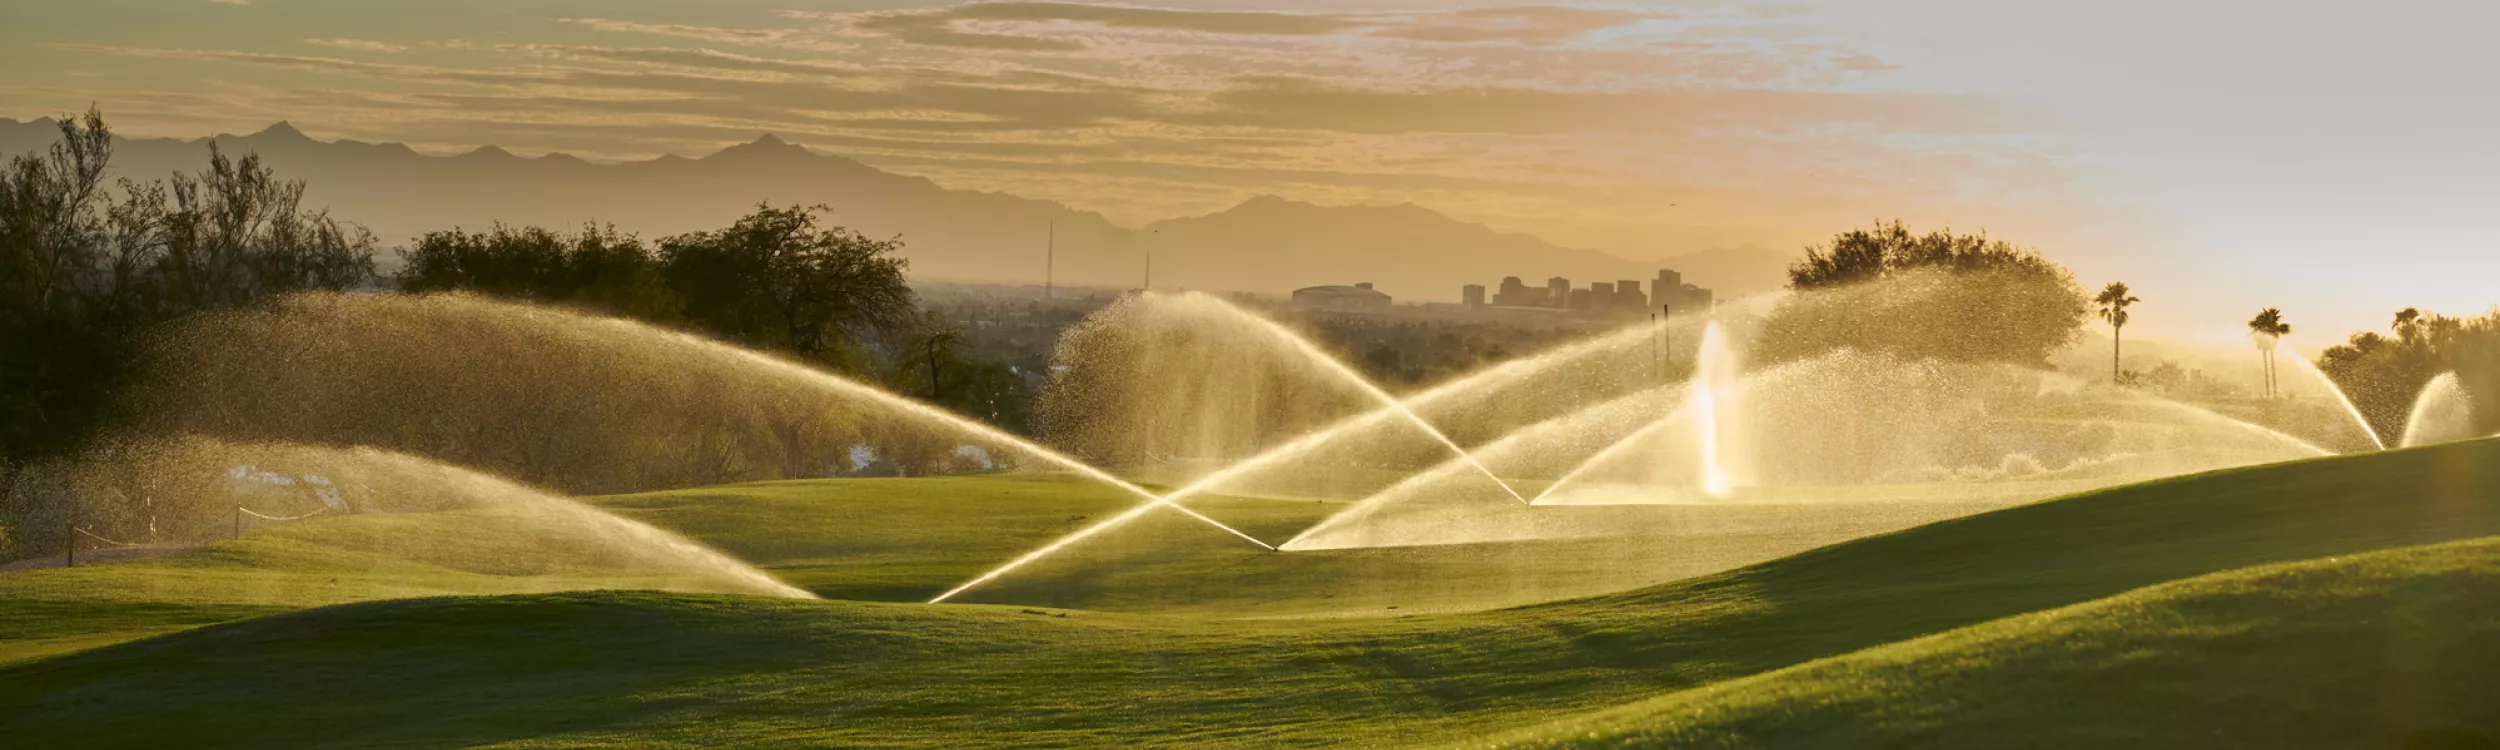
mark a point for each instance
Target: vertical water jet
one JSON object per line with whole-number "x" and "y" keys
{"x": 1714, "y": 379}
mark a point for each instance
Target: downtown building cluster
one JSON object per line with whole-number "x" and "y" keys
{"x": 1618, "y": 297}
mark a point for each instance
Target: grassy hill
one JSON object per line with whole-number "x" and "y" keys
{"x": 2397, "y": 649}
{"x": 656, "y": 670}
{"x": 322, "y": 561}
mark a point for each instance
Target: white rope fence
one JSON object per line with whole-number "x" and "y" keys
{"x": 91, "y": 535}
{"x": 267, "y": 517}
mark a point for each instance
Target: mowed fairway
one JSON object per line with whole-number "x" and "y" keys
{"x": 907, "y": 540}
{"x": 2398, "y": 648}
{"x": 645, "y": 669}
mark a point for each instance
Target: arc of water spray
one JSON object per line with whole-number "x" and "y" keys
{"x": 1340, "y": 368}
{"x": 2304, "y": 365}
{"x": 1610, "y": 451}
{"x": 1408, "y": 485}
{"x": 2442, "y": 390}
{"x": 1712, "y": 374}
{"x": 1503, "y": 373}
{"x": 950, "y": 419}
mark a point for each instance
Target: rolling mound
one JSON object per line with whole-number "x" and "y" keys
{"x": 2398, "y": 649}
{"x": 649, "y": 669}
{"x": 316, "y": 562}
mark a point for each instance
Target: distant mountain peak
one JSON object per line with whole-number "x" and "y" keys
{"x": 489, "y": 152}
{"x": 282, "y": 130}
{"x": 767, "y": 145}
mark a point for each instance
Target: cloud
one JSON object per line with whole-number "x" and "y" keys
{"x": 322, "y": 64}
{"x": 1309, "y": 104}
{"x": 1126, "y": 17}
{"x": 1536, "y": 25}
{"x": 685, "y": 31}
{"x": 986, "y": 25}
{"x": 684, "y": 80}
{"x": 982, "y": 25}
{"x": 1004, "y": 102}
{"x": 700, "y": 58}
{"x": 360, "y": 45}
{"x": 938, "y": 30}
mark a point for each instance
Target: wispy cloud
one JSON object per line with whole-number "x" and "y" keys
{"x": 1537, "y": 25}
{"x": 360, "y": 45}
{"x": 686, "y": 31}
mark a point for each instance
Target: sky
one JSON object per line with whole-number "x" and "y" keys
{"x": 2333, "y": 160}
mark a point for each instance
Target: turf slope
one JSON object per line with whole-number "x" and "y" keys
{"x": 654, "y": 670}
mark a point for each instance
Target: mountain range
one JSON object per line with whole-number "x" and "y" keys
{"x": 1266, "y": 244}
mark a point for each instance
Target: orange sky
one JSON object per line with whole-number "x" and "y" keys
{"x": 2217, "y": 156}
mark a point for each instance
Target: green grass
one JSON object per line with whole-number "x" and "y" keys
{"x": 317, "y": 562}
{"x": 2397, "y": 649}
{"x": 909, "y": 539}
{"x": 641, "y": 669}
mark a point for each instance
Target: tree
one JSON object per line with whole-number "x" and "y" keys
{"x": 1953, "y": 297}
{"x": 86, "y": 274}
{"x": 2385, "y": 375}
{"x": 2113, "y": 301}
{"x": 598, "y": 268}
{"x": 2408, "y": 324}
{"x": 934, "y": 344}
{"x": 2267, "y": 329}
{"x": 776, "y": 279}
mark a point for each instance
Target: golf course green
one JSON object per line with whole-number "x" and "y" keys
{"x": 2331, "y": 602}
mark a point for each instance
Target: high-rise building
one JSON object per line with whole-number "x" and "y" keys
{"x": 1558, "y": 291}
{"x": 1472, "y": 295}
{"x": 1601, "y": 295}
{"x": 1512, "y": 294}
{"x": 1680, "y": 298}
{"x": 1628, "y": 295}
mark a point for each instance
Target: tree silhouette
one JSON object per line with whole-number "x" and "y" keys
{"x": 2408, "y": 324}
{"x": 1940, "y": 295}
{"x": 2113, "y": 302}
{"x": 2267, "y": 328}
{"x": 778, "y": 279}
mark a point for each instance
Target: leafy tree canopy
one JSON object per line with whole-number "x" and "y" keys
{"x": 778, "y": 279}
{"x": 1966, "y": 298}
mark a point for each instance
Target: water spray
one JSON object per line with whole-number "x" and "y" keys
{"x": 1340, "y": 368}
{"x": 2304, "y": 365}
{"x": 950, "y": 419}
{"x": 1504, "y": 373}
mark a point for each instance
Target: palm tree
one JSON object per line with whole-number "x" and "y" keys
{"x": 2267, "y": 328}
{"x": 2114, "y": 302}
